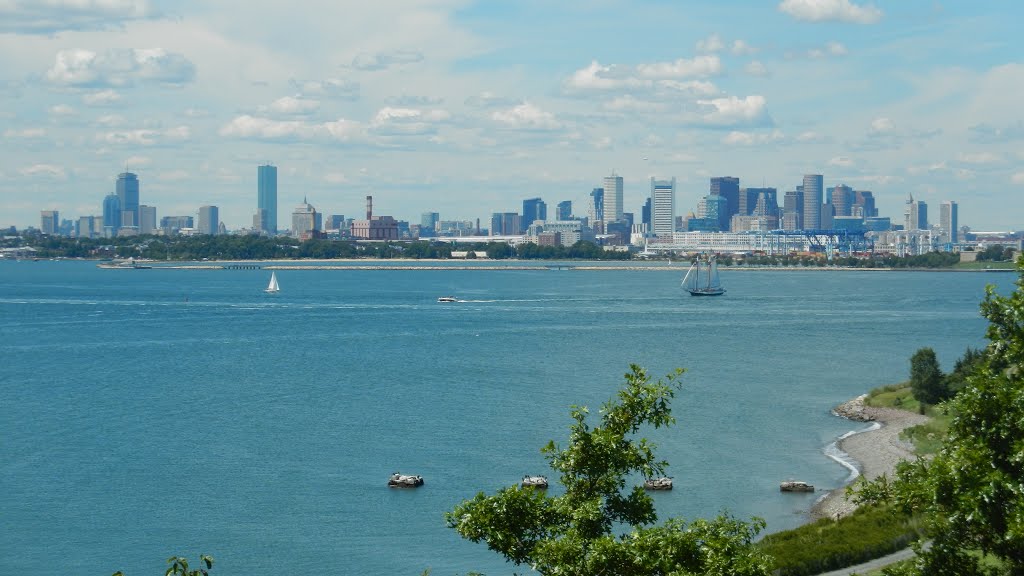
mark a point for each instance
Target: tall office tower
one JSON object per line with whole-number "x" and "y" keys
{"x": 814, "y": 192}
{"x": 728, "y": 188}
{"x": 948, "y": 221}
{"x": 533, "y": 209}
{"x": 793, "y": 210}
{"x": 209, "y": 218}
{"x": 505, "y": 224}
{"x": 49, "y": 221}
{"x": 761, "y": 202}
{"x": 84, "y": 227}
{"x": 663, "y": 207}
{"x": 612, "y": 198}
{"x": 266, "y": 199}
{"x": 128, "y": 194}
{"x": 563, "y": 211}
{"x": 842, "y": 199}
{"x": 916, "y": 215}
{"x": 111, "y": 214}
{"x": 304, "y": 220}
{"x": 147, "y": 219}
{"x": 596, "y": 208}
{"x": 748, "y": 199}
{"x": 713, "y": 208}
{"x": 645, "y": 215}
{"x": 428, "y": 223}
{"x": 864, "y": 200}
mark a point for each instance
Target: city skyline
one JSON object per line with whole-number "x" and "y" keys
{"x": 455, "y": 112}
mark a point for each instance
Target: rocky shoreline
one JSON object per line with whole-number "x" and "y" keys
{"x": 876, "y": 451}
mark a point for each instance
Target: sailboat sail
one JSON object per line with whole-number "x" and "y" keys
{"x": 273, "y": 287}
{"x": 702, "y": 278}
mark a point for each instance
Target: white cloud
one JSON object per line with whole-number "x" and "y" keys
{"x": 603, "y": 143}
{"x": 384, "y": 60}
{"x": 110, "y": 120}
{"x": 44, "y": 170}
{"x": 710, "y": 44}
{"x": 809, "y": 136}
{"x": 101, "y": 98}
{"x": 980, "y": 158}
{"x": 145, "y": 137}
{"x": 841, "y": 161}
{"x": 699, "y": 66}
{"x": 51, "y": 16}
{"x": 257, "y": 128}
{"x": 335, "y": 178}
{"x": 737, "y": 138}
{"x": 692, "y": 88}
{"x": 331, "y": 88}
{"x": 628, "y": 103}
{"x": 615, "y": 77}
{"x": 294, "y": 105}
{"x": 526, "y": 116}
{"x": 62, "y": 110}
{"x": 1017, "y": 178}
{"x": 830, "y": 49}
{"x": 407, "y": 121}
{"x": 120, "y": 67}
{"x": 487, "y": 99}
{"x": 756, "y": 68}
{"x": 741, "y": 48}
{"x": 731, "y": 110}
{"x": 27, "y": 133}
{"x": 830, "y": 11}
{"x": 881, "y": 126}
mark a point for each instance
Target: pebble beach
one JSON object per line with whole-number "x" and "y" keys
{"x": 876, "y": 452}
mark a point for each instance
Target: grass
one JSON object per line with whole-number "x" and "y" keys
{"x": 868, "y": 533}
{"x": 927, "y": 437}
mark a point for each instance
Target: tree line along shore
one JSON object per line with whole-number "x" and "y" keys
{"x": 249, "y": 248}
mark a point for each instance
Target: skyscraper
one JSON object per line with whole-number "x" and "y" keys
{"x": 842, "y": 199}
{"x": 111, "y": 214}
{"x": 564, "y": 211}
{"x": 814, "y": 192}
{"x": 727, "y": 187}
{"x": 147, "y": 219}
{"x": 793, "y": 210}
{"x": 533, "y": 209}
{"x": 128, "y": 194}
{"x": 766, "y": 198}
{"x": 305, "y": 223}
{"x": 663, "y": 207}
{"x": 596, "y": 208}
{"x": 209, "y": 218}
{"x": 49, "y": 220}
{"x": 428, "y": 223}
{"x": 612, "y": 198}
{"x": 948, "y": 221}
{"x": 864, "y": 203}
{"x": 915, "y": 215}
{"x": 267, "y": 197}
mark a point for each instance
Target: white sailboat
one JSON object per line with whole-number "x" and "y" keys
{"x": 702, "y": 278}
{"x": 273, "y": 287}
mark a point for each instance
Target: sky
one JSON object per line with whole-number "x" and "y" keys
{"x": 466, "y": 108}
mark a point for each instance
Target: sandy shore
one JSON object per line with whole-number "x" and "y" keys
{"x": 876, "y": 452}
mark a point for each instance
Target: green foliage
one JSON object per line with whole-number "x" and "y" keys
{"x": 574, "y": 533}
{"x": 965, "y": 365}
{"x": 972, "y": 492}
{"x": 178, "y": 566}
{"x": 926, "y": 379}
{"x": 868, "y": 533}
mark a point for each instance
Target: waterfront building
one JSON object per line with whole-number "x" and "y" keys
{"x": 813, "y": 189}
{"x": 428, "y": 223}
{"x": 49, "y": 222}
{"x": 864, "y": 203}
{"x": 848, "y": 223}
{"x": 729, "y": 188}
{"x": 305, "y": 221}
{"x": 209, "y": 218}
{"x": 534, "y": 209}
{"x": 111, "y": 214}
{"x": 376, "y": 227}
{"x": 842, "y": 199}
{"x": 128, "y": 193}
{"x": 948, "y": 222}
{"x": 793, "y": 210}
{"x": 741, "y": 223}
{"x": 564, "y": 210}
{"x": 172, "y": 225}
{"x": 663, "y": 207}
{"x": 878, "y": 223}
{"x": 147, "y": 219}
{"x": 266, "y": 199}
{"x": 612, "y": 199}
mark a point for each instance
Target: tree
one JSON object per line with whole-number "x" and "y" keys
{"x": 971, "y": 494}
{"x": 574, "y": 533}
{"x": 926, "y": 379}
{"x": 179, "y": 567}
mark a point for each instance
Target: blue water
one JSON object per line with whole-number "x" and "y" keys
{"x": 155, "y": 412}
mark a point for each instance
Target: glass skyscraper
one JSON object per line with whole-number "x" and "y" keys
{"x": 814, "y": 195}
{"x": 267, "y": 197}
{"x": 128, "y": 194}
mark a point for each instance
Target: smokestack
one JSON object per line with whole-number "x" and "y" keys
{"x": 369, "y": 207}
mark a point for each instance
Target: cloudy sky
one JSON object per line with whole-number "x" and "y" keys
{"x": 466, "y": 108}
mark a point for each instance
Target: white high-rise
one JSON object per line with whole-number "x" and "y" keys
{"x": 948, "y": 221}
{"x": 612, "y": 198}
{"x": 814, "y": 192}
{"x": 663, "y": 207}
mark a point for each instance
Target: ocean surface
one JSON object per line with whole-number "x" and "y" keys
{"x": 150, "y": 413}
